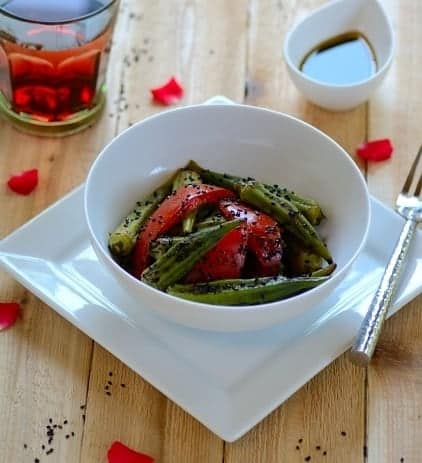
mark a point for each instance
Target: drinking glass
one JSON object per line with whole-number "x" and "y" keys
{"x": 53, "y": 61}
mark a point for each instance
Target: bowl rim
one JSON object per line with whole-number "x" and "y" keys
{"x": 269, "y": 306}
{"x": 355, "y": 85}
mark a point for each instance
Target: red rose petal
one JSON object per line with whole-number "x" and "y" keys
{"x": 24, "y": 183}
{"x": 119, "y": 453}
{"x": 9, "y": 313}
{"x": 169, "y": 93}
{"x": 376, "y": 150}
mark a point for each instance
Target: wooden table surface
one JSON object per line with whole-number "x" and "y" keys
{"x": 48, "y": 368}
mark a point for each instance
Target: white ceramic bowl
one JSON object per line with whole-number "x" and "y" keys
{"x": 332, "y": 19}
{"x": 242, "y": 140}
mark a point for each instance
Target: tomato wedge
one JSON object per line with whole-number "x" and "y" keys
{"x": 225, "y": 260}
{"x": 170, "y": 212}
{"x": 264, "y": 236}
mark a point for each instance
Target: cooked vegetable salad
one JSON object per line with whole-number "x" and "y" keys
{"x": 220, "y": 239}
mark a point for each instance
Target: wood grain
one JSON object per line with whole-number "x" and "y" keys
{"x": 49, "y": 369}
{"x": 334, "y": 401}
{"x": 44, "y": 360}
{"x": 395, "y": 378}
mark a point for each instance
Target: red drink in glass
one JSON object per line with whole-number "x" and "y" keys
{"x": 53, "y": 60}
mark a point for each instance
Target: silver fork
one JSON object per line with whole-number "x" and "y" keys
{"x": 410, "y": 207}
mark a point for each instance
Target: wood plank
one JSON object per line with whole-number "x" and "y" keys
{"x": 395, "y": 108}
{"x": 334, "y": 401}
{"x": 44, "y": 360}
{"x": 395, "y": 390}
{"x": 394, "y": 378}
{"x": 187, "y": 39}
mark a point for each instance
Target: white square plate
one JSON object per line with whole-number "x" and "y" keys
{"x": 228, "y": 381}
{"x": 213, "y": 376}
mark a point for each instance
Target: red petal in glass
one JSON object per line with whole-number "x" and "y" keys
{"x": 9, "y": 313}
{"x": 24, "y": 183}
{"x": 169, "y": 93}
{"x": 119, "y": 453}
{"x": 376, "y": 150}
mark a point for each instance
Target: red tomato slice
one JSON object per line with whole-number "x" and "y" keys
{"x": 170, "y": 212}
{"x": 224, "y": 260}
{"x": 264, "y": 236}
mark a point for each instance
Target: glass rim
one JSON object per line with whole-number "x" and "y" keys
{"x": 9, "y": 14}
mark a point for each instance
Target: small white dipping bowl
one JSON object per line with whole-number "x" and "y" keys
{"x": 246, "y": 141}
{"x": 337, "y": 17}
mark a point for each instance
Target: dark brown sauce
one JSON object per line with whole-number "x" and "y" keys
{"x": 345, "y": 59}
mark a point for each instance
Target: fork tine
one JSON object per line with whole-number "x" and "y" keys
{"x": 412, "y": 171}
{"x": 419, "y": 187}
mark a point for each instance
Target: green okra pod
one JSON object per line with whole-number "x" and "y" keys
{"x": 183, "y": 255}
{"x": 210, "y": 221}
{"x": 309, "y": 207}
{"x": 215, "y": 178}
{"x": 183, "y": 178}
{"x": 325, "y": 271}
{"x": 287, "y": 215}
{"x": 159, "y": 247}
{"x": 162, "y": 244}
{"x": 122, "y": 240}
{"x": 245, "y": 291}
{"x": 299, "y": 260}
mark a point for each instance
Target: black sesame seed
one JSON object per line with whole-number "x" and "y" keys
{"x": 49, "y": 451}
{"x": 25, "y": 446}
{"x": 108, "y": 393}
{"x": 50, "y": 420}
{"x": 67, "y": 436}
{"x": 36, "y": 460}
{"x": 324, "y": 452}
{"x": 42, "y": 447}
{"x": 123, "y": 385}
{"x": 308, "y": 458}
{"x": 297, "y": 447}
{"x": 82, "y": 407}
{"x": 72, "y": 433}
{"x": 65, "y": 422}
{"x": 109, "y": 382}
{"x": 110, "y": 373}
{"x": 318, "y": 447}
{"x": 401, "y": 459}
{"x": 300, "y": 441}
{"x": 343, "y": 433}
{"x": 83, "y": 417}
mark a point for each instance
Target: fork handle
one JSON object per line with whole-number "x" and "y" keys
{"x": 370, "y": 329}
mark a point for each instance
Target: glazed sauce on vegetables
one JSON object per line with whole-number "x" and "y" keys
{"x": 344, "y": 59}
